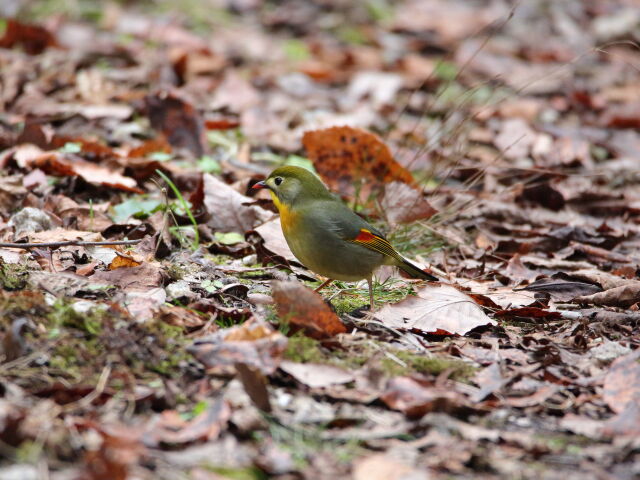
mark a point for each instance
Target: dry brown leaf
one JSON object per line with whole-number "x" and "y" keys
{"x": 255, "y": 344}
{"x": 178, "y": 120}
{"x": 543, "y": 393}
{"x": 304, "y": 309}
{"x": 353, "y": 161}
{"x": 384, "y": 467}
{"x": 274, "y": 241}
{"x": 317, "y": 375}
{"x": 402, "y": 203}
{"x": 63, "y": 235}
{"x": 437, "y": 309}
{"x": 489, "y": 380}
{"x": 416, "y": 398}
{"x": 170, "y": 428}
{"x": 230, "y": 211}
{"x": 622, "y": 296}
{"x": 34, "y": 39}
{"x": 122, "y": 261}
{"x": 59, "y": 164}
{"x": 622, "y": 383}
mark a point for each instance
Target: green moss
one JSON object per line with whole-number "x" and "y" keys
{"x": 13, "y": 276}
{"x": 303, "y": 349}
{"x": 176, "y": 271}
{"x": 28, "y": 452}
{"x": 431, "y": 364}
{"x": 347, "y": 302}
{"x": 248, "y": 473}
{"x": 63, "y": 314}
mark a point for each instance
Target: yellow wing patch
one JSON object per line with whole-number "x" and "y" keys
{"x": 376, "y": 243}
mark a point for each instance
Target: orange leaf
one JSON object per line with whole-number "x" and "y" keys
{"x": 351, "y": 160}
{"x": 305, "y": 310}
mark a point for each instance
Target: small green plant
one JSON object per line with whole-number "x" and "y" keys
{"x": 185, "y": 207}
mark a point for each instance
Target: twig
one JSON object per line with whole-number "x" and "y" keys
{"x": 67, "y": 243}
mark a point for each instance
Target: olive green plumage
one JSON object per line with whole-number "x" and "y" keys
{"x": 325, "y": 235}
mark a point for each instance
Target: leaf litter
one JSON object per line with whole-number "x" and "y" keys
{"x": 497, "y": 144}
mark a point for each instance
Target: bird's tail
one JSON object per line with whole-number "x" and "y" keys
{"x": 415, "y": 271}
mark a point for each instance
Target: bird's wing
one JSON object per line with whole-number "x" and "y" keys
{"x": 352, "y": 228}
{"x": 376, "y": 242}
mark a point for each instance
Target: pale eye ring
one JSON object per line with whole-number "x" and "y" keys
{"x": 277, "y": 181}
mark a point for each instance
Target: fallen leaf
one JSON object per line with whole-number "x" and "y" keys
{"x": 490, "y": 380}
{"x": 304, "y": 309}
{"x": 169, "y": 428}
{"x": 229, "y": 210}
{"x": 353, "y": 161}
{"x": 141, "y": 288}
{"x": 148, "y": 147}
{"x": 315, "y": 375}
{"x": 34, "y": 39}
{"x": 254, "y": 343}
{"x": 416, "y": 398}
{"x": 622, "y": 296}
{"x": 13, "y": 341}
{"x": 529, "y": 312}
{"x": 622, "y": 383}
{"x": 402, "y": 203}
{"x": 61, "y": 165}
{"x": 626, "y": 423}
{"x": 178, "y": 120}
{"x": 255, "y": 384}
{"x": 542, "y": 394}
{"x": 384, "y": 467}
{"x": 141, "y": 277}
{"x": 515, "y": 138}
{"x": 437, "y": 309}
{"x": 117, "y": 456}
{"x": 123, "y": 261}
{"x": 274, "y": 241}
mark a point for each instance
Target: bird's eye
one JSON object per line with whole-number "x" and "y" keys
{"x": 277, "y": 180}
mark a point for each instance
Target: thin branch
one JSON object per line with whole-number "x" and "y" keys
{"x": 67, "y": 243}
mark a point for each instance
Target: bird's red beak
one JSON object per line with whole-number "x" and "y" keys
{"x": 260, "y": 185}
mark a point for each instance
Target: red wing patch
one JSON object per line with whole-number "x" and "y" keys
{"x": 376, "y": 243}
{"x": 364, "y": 236}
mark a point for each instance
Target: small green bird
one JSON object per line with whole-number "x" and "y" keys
{"x": 325, "y": 235}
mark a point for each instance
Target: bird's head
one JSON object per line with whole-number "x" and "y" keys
{"x": 292, "y": 185}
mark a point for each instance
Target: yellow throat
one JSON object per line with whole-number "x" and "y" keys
{"x": 286, "y": 214}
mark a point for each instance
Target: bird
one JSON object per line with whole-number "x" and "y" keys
{"x": 325, "y": 235}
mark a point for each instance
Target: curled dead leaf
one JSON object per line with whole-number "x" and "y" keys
{"x": 304, "y": 309}
{"x": 621, "y": 296}
{"x": 178, "y": 120}
{"x": 170, "y": 428}
{"x": 254, "y": 343}
{"x": 63, "y": 165}
{"x": 416, "y": 398}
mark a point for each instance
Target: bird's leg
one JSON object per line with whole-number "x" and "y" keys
{"x": 324, "y": 284}
{"x": 370, "y": 283}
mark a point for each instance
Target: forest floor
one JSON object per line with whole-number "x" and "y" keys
{"x": 495, "y": 143}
